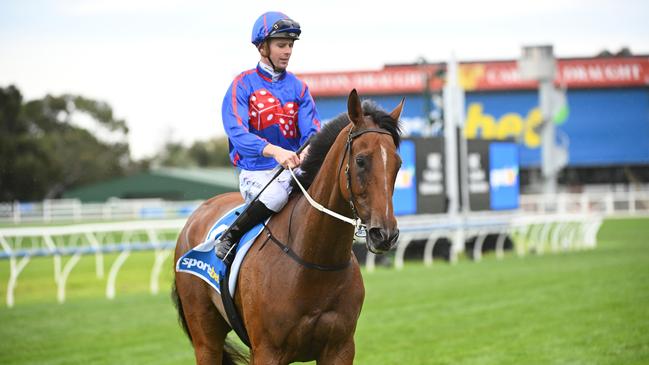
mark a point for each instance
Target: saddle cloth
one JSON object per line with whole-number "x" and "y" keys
{"x": 202, "y": 261}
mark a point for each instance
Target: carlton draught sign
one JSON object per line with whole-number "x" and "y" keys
{"x": 480, "y": 76}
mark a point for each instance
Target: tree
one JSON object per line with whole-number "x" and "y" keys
{"x": 43, "y": 151}
{"x": 210, "y": 153}
{"x": 214, "y": 152}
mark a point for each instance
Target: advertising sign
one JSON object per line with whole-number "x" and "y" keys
{"x": 419, "y": 188}
{"x": 404, "y": 199}
{"x": 603, "y": 127}
{"x": 481, "y": 76}
{"x": 503, "y": 175}
{"x": 431, "y": 192}
{"x": 478, "y": 175}
{"x": 493, "y": 176}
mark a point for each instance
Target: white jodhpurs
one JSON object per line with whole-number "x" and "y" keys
{"x": 276, "y": 194}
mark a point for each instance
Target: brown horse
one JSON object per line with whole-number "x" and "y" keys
{"x": 304, "y": 305}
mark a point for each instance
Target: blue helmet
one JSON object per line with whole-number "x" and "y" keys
{"x": 274, "y": 24}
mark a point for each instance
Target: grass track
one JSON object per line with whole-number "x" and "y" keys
{"x": 589, "y": 307}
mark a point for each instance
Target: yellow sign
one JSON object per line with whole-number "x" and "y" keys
{"x": 510, "y": 125}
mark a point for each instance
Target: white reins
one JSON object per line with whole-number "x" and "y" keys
{"x": 359, "y": 226}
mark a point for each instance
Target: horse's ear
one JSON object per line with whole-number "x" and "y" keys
{"x": 354, "y": 108}
{"x": 396, "y": 113}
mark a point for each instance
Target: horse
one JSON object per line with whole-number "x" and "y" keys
{"x": 302, "y": 302}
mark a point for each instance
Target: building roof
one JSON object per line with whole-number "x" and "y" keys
{"x": 224, "y": 176}
{"x": 168, "y": 183}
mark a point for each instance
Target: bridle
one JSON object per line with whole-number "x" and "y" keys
{"x": 361, "y": 228}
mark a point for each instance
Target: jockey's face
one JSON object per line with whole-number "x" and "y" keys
{"x": 279, "y": 51}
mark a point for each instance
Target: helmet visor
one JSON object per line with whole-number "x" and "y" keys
{"x": 288, "y": 26}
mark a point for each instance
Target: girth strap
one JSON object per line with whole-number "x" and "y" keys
{"x": 231, "y": 310}
{"x": 287, "y": 250}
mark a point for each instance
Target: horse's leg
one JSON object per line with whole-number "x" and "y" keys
{"x": 340, "y": 354}
{"x": 206, "y": 326}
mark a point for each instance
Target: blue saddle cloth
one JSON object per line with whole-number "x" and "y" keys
{"x": 202, "y": 261}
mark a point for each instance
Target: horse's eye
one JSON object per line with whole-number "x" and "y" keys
{"x": 360, "y": 162}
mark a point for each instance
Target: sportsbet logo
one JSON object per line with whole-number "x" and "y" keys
{"x": 213, "y": 274}
{"x": 510, "y": 125}
{"x": 503, "y": 177}
{"x": 189, "y": 263}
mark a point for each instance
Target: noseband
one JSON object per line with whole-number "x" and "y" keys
{"x": 360, "y": 227}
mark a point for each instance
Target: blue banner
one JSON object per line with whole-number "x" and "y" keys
{"x": 404, "y": 199}
{"x": 503, "y": 175}
{"x": 603, "y": 127}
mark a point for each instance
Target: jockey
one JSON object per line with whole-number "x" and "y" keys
{"x": 268, "y": 113}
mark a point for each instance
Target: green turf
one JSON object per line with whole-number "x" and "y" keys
{"x": 587, "y": 307}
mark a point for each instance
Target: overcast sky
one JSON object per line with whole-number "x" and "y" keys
{"x": 164, "y": 65}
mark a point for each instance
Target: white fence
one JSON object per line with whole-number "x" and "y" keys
{"x": 610, "y": 203}
{"x": 530, "y": 233}
{"x": 19, "y": 245}
{"x": 73, "y": 210}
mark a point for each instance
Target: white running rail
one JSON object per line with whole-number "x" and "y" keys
{"x": 530, "y": 233}
{"x": 19, "y": 245}
{"x": 73, "y": 210}
{"x": 609, "y": 203}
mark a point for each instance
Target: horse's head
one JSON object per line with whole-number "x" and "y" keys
{"x": 371, "y": 169}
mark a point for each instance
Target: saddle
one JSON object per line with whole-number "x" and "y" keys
{"x": 201, "y": 261}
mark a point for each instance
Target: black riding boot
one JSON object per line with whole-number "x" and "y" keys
{"x": 256, "y": 213}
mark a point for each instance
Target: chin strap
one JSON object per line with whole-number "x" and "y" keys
{"x": 274, "y": 74}
{"x": 272, "y": 64}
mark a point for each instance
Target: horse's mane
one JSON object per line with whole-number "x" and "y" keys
{"x": 322, "y": 141}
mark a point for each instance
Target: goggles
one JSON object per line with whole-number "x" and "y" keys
{"x": 285, "y": 26}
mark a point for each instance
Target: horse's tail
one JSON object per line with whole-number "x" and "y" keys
{"x": 232, "y": 354}
{"x": 179, "y": 307}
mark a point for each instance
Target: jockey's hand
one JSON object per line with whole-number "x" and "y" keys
{"x": 284, "y": 157}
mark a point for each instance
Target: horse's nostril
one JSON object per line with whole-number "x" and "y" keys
{"x": 395, "y": 236}
{"x": 378, "y": 234}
